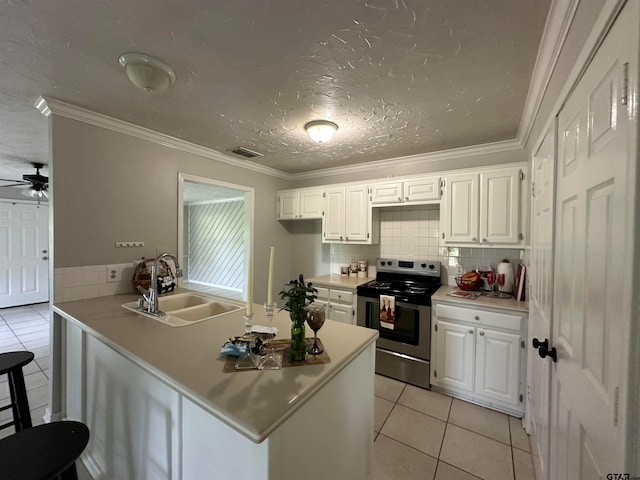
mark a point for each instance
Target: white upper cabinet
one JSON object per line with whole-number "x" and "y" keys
{"x": 300, "y": 204}
{"x": 483, "y": 208}
{"x": 347, "y": 215}
{"x": 413, "y": 191}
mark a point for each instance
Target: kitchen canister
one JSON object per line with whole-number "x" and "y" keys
{"x": 344, "y": 270}
{"x": 505, "y": 276}
{"x": 363, "y": 267}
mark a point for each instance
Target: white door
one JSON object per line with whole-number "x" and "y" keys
{"x": 592, "y": 295}
{"x": 422, "y": 189}
{"x": 540, "y": 301}
{"x": 455, "y": 354}
{"x": 461, "y": 209}
{"x": 310, "y": 204}
{"x": 498, "y": 366}
{"x": 24, "y": 254}
{"x": 389, "y": 192}
{"x": 356, "y": 213}
{"x": 500, "y": 206}
{"x": 288, "y": 205}
{"x": 333, "y": 218}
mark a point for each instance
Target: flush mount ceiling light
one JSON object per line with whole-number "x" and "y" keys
{"x": 147, "y": 73}
{"x": 321, "y": 130}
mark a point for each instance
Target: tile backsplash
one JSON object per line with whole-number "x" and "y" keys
{"x": 414, "y": 233}
{"x": 79, "y": 283}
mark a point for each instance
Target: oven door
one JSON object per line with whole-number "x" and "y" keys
{"x": 411, "y": 334}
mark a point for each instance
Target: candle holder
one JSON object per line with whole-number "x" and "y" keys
{"x": 271, "y": 360}
{"x": 248, "y": 360}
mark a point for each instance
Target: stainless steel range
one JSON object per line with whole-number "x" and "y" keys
{"x": 398, "y": 304}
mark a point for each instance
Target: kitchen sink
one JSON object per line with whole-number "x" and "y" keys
{"x": 180, "y": 301}
{"x": 188, "y": 308}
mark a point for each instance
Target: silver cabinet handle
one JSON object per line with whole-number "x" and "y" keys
{"x": 406, "y": 198}
{"x": 484, "y": 240}
{"x": 45, "y": 258}
{"x": 482, "y": 334}
{"x": 476, "y": 317}
{"x": 475, "y": 239}
{"x": 399, "y": 199}
{"x": 471, "y": 331}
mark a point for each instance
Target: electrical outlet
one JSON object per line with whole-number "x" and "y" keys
{"x": 114, "y": 273}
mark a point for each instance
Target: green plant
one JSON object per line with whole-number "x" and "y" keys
{"x": 298, "y": 296}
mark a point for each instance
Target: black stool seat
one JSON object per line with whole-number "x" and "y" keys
{"x": 11, "y": 364}
{"x": 43, "y": 452}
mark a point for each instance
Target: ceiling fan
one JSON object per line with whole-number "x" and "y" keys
{"x": 36, "y": 184}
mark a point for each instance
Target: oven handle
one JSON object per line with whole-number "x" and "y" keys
{"x": 400, "y": 301}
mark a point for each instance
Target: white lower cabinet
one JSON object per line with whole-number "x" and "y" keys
{"x": 479, "y": 355}
{"x": 340, "y": 305}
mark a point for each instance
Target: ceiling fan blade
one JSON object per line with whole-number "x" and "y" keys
{"x": 20, "y": 184}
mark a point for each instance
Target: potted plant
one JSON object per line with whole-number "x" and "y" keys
{"x": 298, "y": 296}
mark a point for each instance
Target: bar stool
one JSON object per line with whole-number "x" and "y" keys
{"x": 45, "y": 452}
{"x": 11, "y": 364}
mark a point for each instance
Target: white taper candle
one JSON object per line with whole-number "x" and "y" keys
{"x": 272, "y": 252}
{"x": 250, "y": 287}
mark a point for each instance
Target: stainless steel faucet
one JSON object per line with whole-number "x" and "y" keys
{"x": 151, "y": 296}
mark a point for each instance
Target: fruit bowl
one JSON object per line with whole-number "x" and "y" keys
{"x": 468, "y": 285}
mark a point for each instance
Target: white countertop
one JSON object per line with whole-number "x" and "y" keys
{"x": 481, "y": 301}
{"x": 334, "y": 280}
{"x": 187, "y": 358}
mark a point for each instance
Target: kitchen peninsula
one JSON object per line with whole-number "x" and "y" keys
{"x": 159, "y": 405}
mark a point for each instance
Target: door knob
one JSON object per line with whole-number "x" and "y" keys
{"x": 543, "y": 349}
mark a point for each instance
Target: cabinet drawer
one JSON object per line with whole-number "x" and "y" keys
{"x": 341, "y": 296}
{"x": 480, "y": 317}
{"x": 323, "y": 293}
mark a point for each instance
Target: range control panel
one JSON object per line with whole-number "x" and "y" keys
{"x": 414, "y": 267}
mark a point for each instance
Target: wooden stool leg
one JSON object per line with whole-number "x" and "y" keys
{"x": 19, "y": 398}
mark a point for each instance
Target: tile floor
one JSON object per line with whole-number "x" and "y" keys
{"x": 419, "y": 434}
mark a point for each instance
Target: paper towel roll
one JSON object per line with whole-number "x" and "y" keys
{"x": 506, "y": 269}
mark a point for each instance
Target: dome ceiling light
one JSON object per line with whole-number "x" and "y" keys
{"x": 147, "y": 73}
{"x": 321, "y": 130}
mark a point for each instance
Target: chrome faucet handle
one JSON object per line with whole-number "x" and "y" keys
{"x": 178, "y": 272}
{"x": 142, "y": 290}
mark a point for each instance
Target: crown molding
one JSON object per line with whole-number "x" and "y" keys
{"x": 555, "y": 33}
{"x": 48, "y": 106}
{"x": 414, "y": 160}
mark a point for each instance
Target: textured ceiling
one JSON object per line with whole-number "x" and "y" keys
{"x": 399, "y": 77}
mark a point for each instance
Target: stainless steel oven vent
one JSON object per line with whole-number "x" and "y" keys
{"x": 245, "y": 152}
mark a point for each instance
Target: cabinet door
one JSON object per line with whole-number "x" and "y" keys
{"x": 333, "y": 218}
{"x": 288, "y": 205}
{"x": 422, "y": 189}
{"x": 498, "y": 365}
{"x": 356, "y": 213}
{"x": 500, "y": 206}
{"x": 461, "y": 209}
{"x": 310, "y": 204}
{"x": 454, "y": 362}
{"x": 324, "y": 304}
{"x": 341, "y": 313}
{"x": 388, "y": 192}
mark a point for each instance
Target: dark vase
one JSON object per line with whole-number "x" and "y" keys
{"x": 298, "y": 345}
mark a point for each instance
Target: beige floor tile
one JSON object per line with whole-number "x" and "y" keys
{"x": 415, "y": 429}
{"x": 523, "y": 465}
{"x": 394, "y": 461}
{"x": 426, "y": 401}
{"x": 477, "y": 454}
{"x": 480, "y": 420}
{"x": 519, "y": 437}
{"x": 381, "y": 409}
{"x": 447, "y": 472}
{"x": 388, "y": 388}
